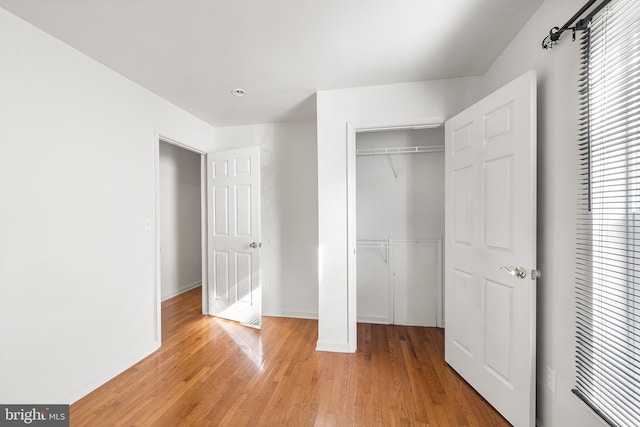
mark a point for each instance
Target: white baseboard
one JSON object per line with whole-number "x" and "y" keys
{"x": 181, "y": 290}
{"x": 381, "y": 320}
{"x": 334, "y": 347}
{"x": 293, "y": 314}
{"x": 108, "y": 373}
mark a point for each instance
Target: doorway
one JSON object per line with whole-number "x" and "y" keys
{"x": 400, "y": 226}
{"x": 180, "y": 223}
{"x": 180, "y": 230}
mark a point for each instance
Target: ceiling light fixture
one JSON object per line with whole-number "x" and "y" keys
{"x": 238, "y": 92}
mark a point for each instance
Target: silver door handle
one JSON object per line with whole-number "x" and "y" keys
{"x": 255, "y": 245}
{"x": 518, "y": 272}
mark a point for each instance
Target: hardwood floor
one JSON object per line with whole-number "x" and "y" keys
{"x": 212, "y": 372}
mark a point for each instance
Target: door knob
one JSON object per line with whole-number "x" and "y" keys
{"x": 518, "y": 272}
{"x": 255, "y": 245}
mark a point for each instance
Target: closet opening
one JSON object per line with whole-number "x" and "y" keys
{"x": 399, "y": 225}
{"x": 180, "y": 225}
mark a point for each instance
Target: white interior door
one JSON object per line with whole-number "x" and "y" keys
{"x": 233, "y": 179}
{"x": 490, "y": 211}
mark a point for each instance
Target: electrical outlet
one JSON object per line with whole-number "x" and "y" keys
{"x": 552, "y": 380}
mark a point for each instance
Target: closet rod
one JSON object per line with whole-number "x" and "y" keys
{"x": 399, "y": 150}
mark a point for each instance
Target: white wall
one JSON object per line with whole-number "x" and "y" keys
{"x": 390, "y": 104}
{"x": 180, "y": 231}
{"x": 78, "y": 145}
{"x": 410, "y": 205}
{"x": 289, "y": 215}
{"x": 557, "y": 71}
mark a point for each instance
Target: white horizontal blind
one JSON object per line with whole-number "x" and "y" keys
{"x": 608, "y": 236}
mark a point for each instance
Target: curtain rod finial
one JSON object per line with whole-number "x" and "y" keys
{"x": 552, "y": 38}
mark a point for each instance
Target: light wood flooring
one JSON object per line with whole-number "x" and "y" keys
{"x": 212, "y": 372}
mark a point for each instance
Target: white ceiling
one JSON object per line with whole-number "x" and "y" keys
{"x": 194, "y": 52}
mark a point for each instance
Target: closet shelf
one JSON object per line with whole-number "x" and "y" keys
{"x": 372, "y": 243}
{"x": 382, "y": 244}
{"x": 399, "y": 150}
{"x": 395, "y": 153}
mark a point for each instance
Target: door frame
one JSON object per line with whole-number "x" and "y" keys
{"x": 353, "y": 128}
{"x": 159, "y": 137}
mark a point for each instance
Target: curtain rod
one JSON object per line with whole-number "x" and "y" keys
{"x": 555, "y": 33}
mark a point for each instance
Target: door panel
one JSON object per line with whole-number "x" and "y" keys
{"x": 243, "y": 211}
{"x": 497, "y": 122}
{"x": 498, "y": 320}
{"x": 234, "y": 236}
{"x": 221, "y": 269}
{"x": 498, "y": 204}
{"x": 463, "y": 206}
{"x": 462, "y": 297}
{"x": 374, "y": 297}
{"x": 490, "y": 194}
{"x": 461, "y": 138}
{"x": 244, "y": 275}
{"x": 416, "y": 278}
{"x": 221, "y": 214}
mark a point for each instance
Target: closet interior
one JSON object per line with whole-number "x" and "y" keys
{"x": 400, "y": 226}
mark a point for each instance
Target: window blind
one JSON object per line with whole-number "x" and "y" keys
{"x": 608, "y": 226}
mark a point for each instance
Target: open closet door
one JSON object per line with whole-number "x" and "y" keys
{"x": 233, "y": 187}
{"x": 490, "y": 248}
